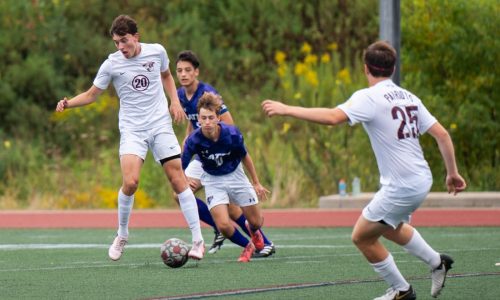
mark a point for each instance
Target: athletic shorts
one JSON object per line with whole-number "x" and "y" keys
{"x": 393, "y": 208}
{"x": 233, "y": 187}
{"x": 194, "y": 169}
{"x": 161, "y": 140}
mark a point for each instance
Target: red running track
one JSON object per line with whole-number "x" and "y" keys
{"x": 273, "y": 218}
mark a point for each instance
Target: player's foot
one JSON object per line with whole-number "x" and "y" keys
{"x": 246, "y": 255}
{"x": 217, "y": 244}
{"x": 392, "y": 294}
{"x": 438, "y": 275}
{"x": 116, "y": 249}
{"x": 257, "y": 238}
{"x": 197, "y": 251}
{"x": 268, "y": 250}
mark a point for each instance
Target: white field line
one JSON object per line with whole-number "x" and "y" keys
{"x": 286, "y": 259}
{"x": 7, "y": 247}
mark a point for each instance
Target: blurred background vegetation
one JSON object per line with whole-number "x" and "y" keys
{"x": 304, "y": 52}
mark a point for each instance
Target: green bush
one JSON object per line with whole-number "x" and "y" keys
{"x": 450, "y": 54}
{"x": 52, "y": 49}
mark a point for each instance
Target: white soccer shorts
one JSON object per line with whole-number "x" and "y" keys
{"x": 234, "y": 187}
{"x": 194, "y": 169}
{"x": 393, "y": 208}
{"x": 162, "y": 142}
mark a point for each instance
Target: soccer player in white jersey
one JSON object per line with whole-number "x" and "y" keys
{"x": 394, "y": 119}
{"x": 140, "y": 74}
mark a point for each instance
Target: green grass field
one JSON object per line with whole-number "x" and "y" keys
{"x": 310, "y": 263}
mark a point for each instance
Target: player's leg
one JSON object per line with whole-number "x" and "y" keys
{"x": 187, "y": 202}
{"x": 218, "y": 205}
{"x": 243, "y": 195}
{"x": 366, "y": 236}
{"x": 383, "y": 215}
{"x": 166, "y": 150}
{"x": 411, "y": 240}
{"x": 132, "y": 152}
{"x": 238, "y": 217}
{"x": 194, "y": 171}
{"x": 254, "y": 223}
{"x": 131, "y": 167}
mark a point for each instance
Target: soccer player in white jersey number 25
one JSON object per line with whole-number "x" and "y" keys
{"x": 140, "y": 74}
{"x": 394, "y": 119}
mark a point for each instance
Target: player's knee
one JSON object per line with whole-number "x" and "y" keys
{"x": 256, "y": 222}
{"x": 130, "y": 185}
{"x": 356, "y": 239}
{"x": 179, "y": 184}
{"x": 226, "y": 229}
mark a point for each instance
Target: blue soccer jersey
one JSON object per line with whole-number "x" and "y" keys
{"x": 218, "y": 158}
{"x": 189, "y": 106}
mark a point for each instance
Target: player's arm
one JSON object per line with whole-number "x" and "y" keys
{"x": 82, "y": 99}
{"x": 189, "y": 129}
{"x": 187, "y": 154}
{"x": 454, "y": 182}
{"x": 250, "y": 167}
{"x": 327, "y": 116}
{"x": 227, "y": 118}
{"x": 175, "y": 105}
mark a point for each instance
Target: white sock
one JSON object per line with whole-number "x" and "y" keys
{"x": 388, "y": 270}
{"x": 125, "y": 204}
{"x": 189, "y": 209}
{"x": 418, "y": 247}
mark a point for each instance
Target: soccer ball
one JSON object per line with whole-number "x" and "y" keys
{"x": 174, "y": 252}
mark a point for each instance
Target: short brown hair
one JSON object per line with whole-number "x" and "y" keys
{"x": 210, "y": 101}
{"x": 122, "y": 25}
{"x": 189, "y": 56}
{"x": 380, "y": 58}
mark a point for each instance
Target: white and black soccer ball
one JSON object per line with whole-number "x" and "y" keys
{"x": 174, "y": 252}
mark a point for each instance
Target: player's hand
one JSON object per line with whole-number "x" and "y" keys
{"x": 455, "y": 183}
{"x": 177, "y": 112}
{"x": 261, "y": 191}
{"x": 62, "y": 104}
{"x": 271, "y": 108}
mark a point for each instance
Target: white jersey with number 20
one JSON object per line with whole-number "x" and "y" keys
{"x": 137, "y": 80}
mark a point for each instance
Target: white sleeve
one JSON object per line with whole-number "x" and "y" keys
{"x": 103, "y": 77}
{"x": 164, "y": 61}
{"x": 426, "y": 120}
{"x": 359, "y": 108}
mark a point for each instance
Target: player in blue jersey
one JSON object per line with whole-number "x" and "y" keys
{"x": 189, "y": 93}
{"x": 139, "y": 72}
{"x": 221, "y": 150}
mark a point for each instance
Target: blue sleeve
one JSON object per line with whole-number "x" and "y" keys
{"x": 187, "y": 153}
{"x": 239, "y": 143}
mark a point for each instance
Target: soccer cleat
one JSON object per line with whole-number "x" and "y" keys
{"x": 197, "y": 251}
{"x": 438, "y": 275}
{"x": 268, "y": 250}
{"x": 116, "y": 249}
{"x": 392, "y": 294}
{"x": 217, "y": 244}
{"x": 246, "y": 255}
{"x": 257, "y": 238}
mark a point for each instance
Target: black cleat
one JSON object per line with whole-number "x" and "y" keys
{"x": 267, "y": 251}
{"x": 438, "y": 275}
{"x": 217, "y": 244}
